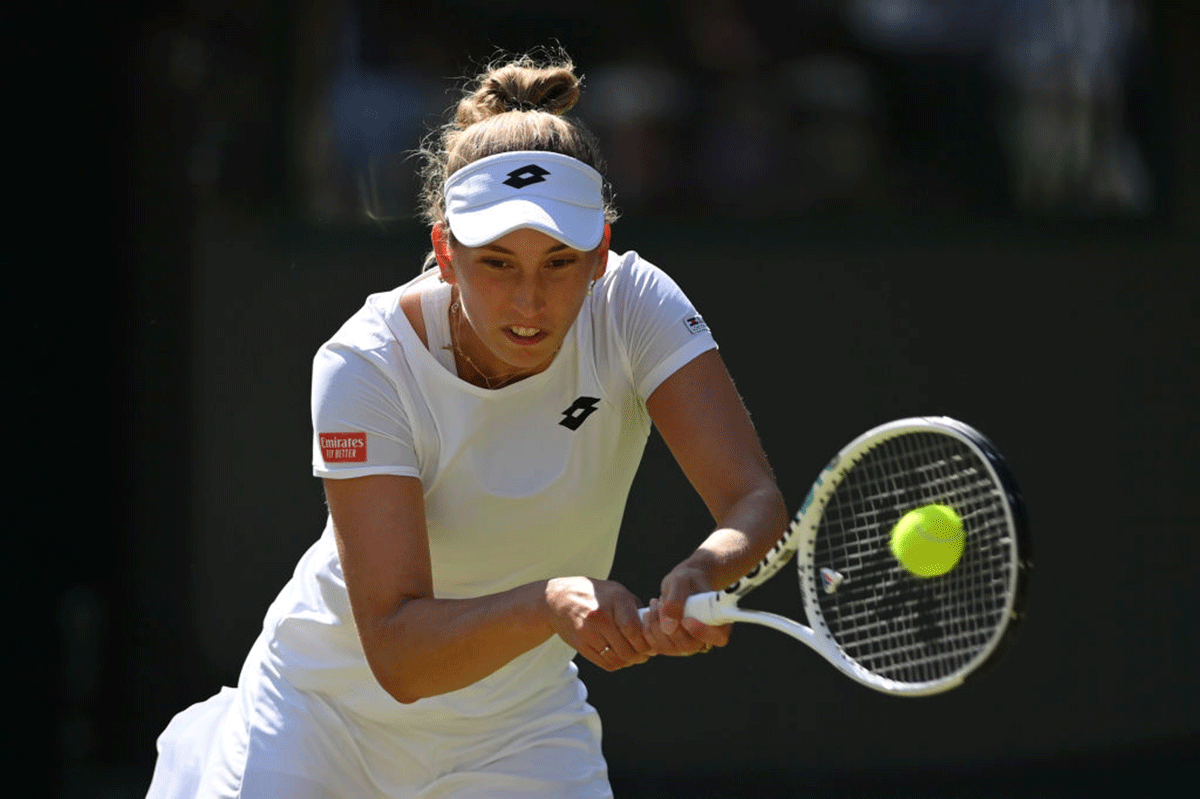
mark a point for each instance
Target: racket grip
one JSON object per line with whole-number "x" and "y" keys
{"x": 701, "y": 607}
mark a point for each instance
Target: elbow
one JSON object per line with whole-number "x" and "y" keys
{"x": 397, "y": 684}
{"x": 390, "y": 650}
{"x": 393, "y": 670}
{"x": 405, "y": 698}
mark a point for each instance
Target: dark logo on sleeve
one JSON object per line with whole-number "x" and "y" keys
{"x": 526, "y": 176}
{"x": 579, "y": 411}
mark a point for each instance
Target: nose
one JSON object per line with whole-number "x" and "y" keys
{"x": 529, "y": 296}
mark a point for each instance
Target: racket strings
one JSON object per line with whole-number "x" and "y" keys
{"x": 891, "y": 623}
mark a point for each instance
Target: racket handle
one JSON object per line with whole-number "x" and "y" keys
{"x": 701, "y": 607}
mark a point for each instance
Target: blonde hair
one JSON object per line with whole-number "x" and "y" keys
{"x": 516, "y": 105}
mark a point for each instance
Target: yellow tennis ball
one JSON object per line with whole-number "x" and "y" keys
{"x": 928, "y": 541}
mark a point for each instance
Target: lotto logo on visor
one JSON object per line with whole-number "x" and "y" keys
{"x": 526, "y": 176}
{"x": 554, "y": 193}
{"x": 343, "y": 447}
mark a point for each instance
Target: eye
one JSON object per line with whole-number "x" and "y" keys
{"x": 561, "y": 263}
{"x": 495, "y": 263}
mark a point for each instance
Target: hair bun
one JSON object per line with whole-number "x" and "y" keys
{"x": 521, "y": 105}
{"x": 522, "y": 85}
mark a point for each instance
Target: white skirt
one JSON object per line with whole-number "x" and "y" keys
{"x": 276, "y": 741}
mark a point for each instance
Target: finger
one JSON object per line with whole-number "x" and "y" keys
{"x": 614, "y": 644}
{"x": 650, "y": 617}
{"x": 708, "y": 635}
{"x": 608, "y": 658}
{"x": 675, "y": 594}
{"x": 652, "y": 629}
{"x": 630, "y": 625}
{"x": 603, "y": 657}
{"x": 680, "y": 642}
{"x": 693, "y": 636}
{"x": 685, "y": 642}
{"x": 669, "y": 616}
{"x": 621, "y": 653}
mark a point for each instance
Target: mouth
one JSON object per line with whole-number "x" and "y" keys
{"x": 525, "y": 335}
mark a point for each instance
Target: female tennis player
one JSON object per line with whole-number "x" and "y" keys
{"x": 477, "y": 431}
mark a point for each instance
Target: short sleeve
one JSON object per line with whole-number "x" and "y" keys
{"x": 659, "y": 327}
{"x": 360, "y": 426}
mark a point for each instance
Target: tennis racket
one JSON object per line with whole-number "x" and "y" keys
{"x": 876, "y": 622}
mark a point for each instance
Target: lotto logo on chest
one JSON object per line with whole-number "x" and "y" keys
{"x": 343, "y": 447}
{"x": 580, "y": 410}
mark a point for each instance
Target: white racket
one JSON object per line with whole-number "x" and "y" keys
{"x": 877, "y": 623}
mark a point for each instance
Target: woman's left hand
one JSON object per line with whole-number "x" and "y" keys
{"x": 665, "y": 625}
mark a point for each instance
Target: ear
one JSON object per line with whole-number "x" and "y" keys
{"x": 441, "y": 251}
{"x": 602, "y": 252}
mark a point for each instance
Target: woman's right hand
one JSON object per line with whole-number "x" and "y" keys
{"x": 599, "y": 619}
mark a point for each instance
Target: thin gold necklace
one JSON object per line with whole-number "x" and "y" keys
{"x": 488, "y": 382}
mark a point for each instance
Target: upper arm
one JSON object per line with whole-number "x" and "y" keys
{"x": 700, "y": 416}
{"x": 379, "y": 524}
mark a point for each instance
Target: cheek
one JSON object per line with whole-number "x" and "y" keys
{"x": 570, "y": 307}
{"x": 485, "y": 308}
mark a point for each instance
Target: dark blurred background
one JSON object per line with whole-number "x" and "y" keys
{"x": 983, "y": 208}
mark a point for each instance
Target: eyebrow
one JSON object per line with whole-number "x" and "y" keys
{"x": 506, "y": 251}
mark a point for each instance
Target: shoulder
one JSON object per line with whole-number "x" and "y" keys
{"x": 631, "y": 279}
{"x": 634, "y": 289}
{"x": 629, "y": 267}
{"x": 647, "y": 320}
{"x": 373, "y": 346}
{"x": 386, "y": 320}
{"x": 370, "y": 327}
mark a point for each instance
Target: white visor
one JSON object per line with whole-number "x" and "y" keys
{"x": 559, "y": 195}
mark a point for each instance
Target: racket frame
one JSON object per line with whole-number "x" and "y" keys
{"x": 721, "y": 607}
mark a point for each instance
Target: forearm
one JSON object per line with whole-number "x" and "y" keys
{"x": 744, "y": 534}
{"x": 716, "y": 446}
{"x": 433, "y": 646}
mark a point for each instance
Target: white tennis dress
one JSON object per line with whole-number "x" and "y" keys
{"x": 521, "y": 483}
